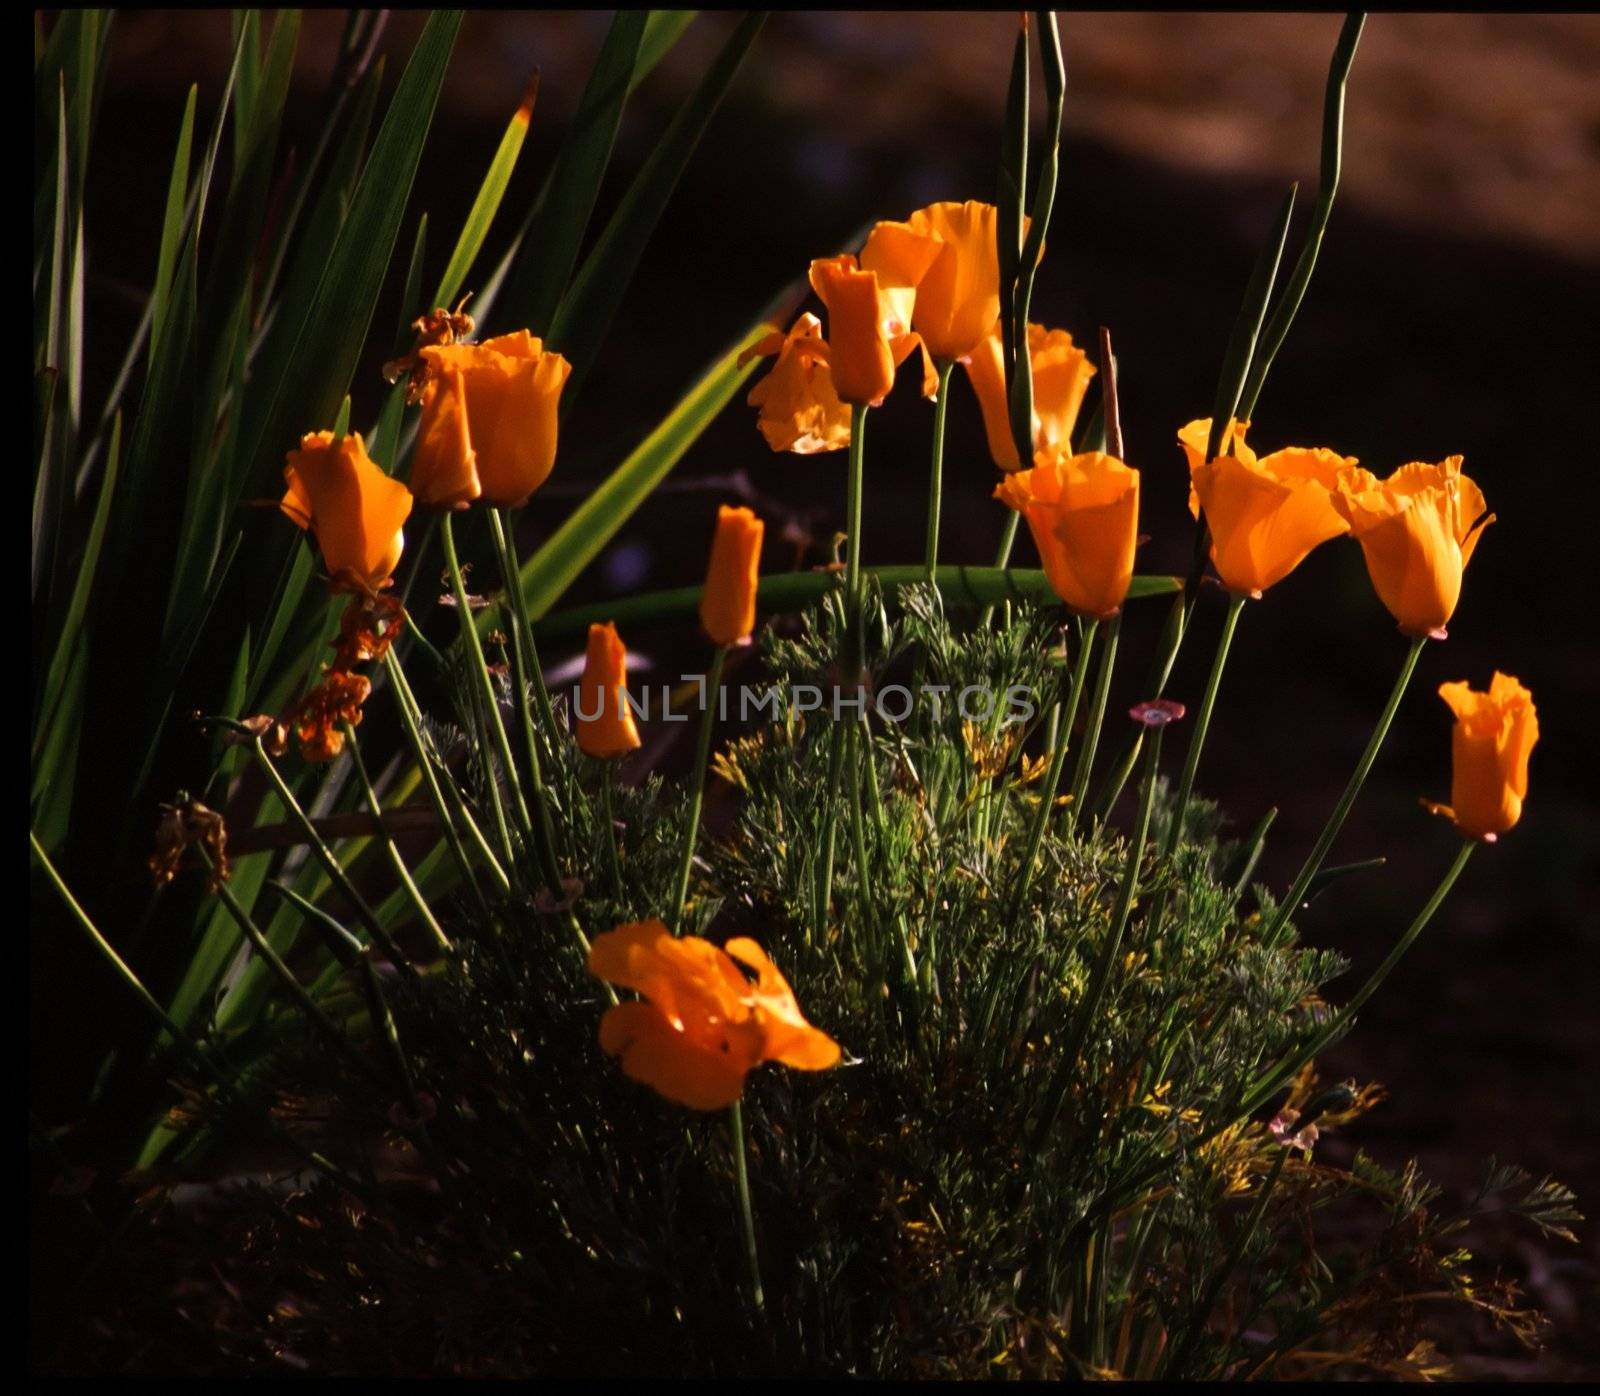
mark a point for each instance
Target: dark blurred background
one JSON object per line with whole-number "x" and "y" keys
{"x": 1454, "y": 310}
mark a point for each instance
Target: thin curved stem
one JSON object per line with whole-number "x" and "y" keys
{"x": 697, "y": 788}
{"x": 936, "y": 475}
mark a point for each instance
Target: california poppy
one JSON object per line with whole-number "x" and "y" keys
{"x": 1265, "y": 513}
{"x": 1061, "y": 374}
{"x": 490, "y": 414}
{"x": 948, "y": 252}
{"x": 869, "y": 329}
{"x": 800, "y": 411}
{"x": 1493, "y": 736}
{"x": 1083, "y": 513}
{"x": 728, "y": 602}
{"x": 354, "y": 509}
{"x": 702, "y": 1025}
{"x": 1418, "y": 529}
{"x": 604, "y": 721}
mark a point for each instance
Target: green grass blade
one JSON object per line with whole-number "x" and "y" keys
{"x": 172, "y": 223}
{"x": 550, "y": 571}
{"x": 559, "y": 219}
{"x": 484, "y": 206}
{"x": 581, "y": 323}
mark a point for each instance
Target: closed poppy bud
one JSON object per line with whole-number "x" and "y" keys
{"x": 604, "y": 720}
{"x": 869, "y": 329}
{"x": 354, "y": 509}
{"x": 800, "y": 411}
{"x": 1061, "y": 374}
{"x": 948, "y": 251}
{"x": 1418, "y": 529}
{"x": 489, "y": 421}
{"x": 1494, "y": 734}
{"x": 702, "y": 1025}
{"x": 1265, "y": 513}
{"x": 1083, "y": 513}
{"x": 728, "y": 603}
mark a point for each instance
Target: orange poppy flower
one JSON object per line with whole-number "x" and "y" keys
{"x": 490, "y": 414}
{"x": 949, "y": 253}
{"x": 1494, "y": 734}
{"x": 869, "y": 329}
{"x": 1061, "y": 374}
{"x": 1265, "y": 513}
{"x": 800, "y": 411}
{"x": 1417, "y": 529}
{"x": 354, "y": 509}
{"x": 702, "y": 1025}
{"x": 1083, "y": 513}
{"x": 603, "y": 718}
{"x": 728, "y": 602}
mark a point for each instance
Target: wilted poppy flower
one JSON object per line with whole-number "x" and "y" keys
{"x": 1265, "y": 514}
{"x": 869, "y": 329}
{"x": 800, "y": 411}
{"x": 703, "y": 1025}
{"x": 604, "y": 720}
{"x": 490, "y": 413}
{"x": 949, "y": 253}
{"x": 1083, "y": 512}
{"x": 1418, "y": 529}
{"x": 728, "y": 602}
{"x": 355, "y": 510}
{"x": 1061, "y": 374}
{"x": 318, "y": 718}
{"x": 1494, "y": 733}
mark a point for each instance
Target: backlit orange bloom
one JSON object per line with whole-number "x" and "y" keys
{"x": 1061, "y": 374}
{"x": 728, "y": 602}
{"x": 869, "y": 329}
{"x": 603, "y": 718}
{"x": 489, "y": 422}
{"x": 1418, "y": 529}
{"x": 1493, "y": 736}
{"x": 354, "y": 509}
{"x": 800, "y": 411}
{"x": 703, "y": 1026}
{"x": 1265, "y": 514}
{"x": 1083, "y": 513}
{"x": 949, "y": 253}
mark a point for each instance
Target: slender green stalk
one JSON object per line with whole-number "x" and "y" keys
{"x": 1097, "y": 715}
{"x": 1002, "y": 558}
{"x": 936, "y": 476}
{"x": 1047, "y": 795}
{"x": 1341, "y": 811}
{"x": 609, "y": 814}
{"x": 490, "y": 709}
{"x": 331, "y": 864}
{"x": 1089, "y": 1009}
{"x": 395, "y": 860}
{"x": 1167, "y": 654}
{"x": 852, "y": 574}
{"x": 697, "y": 788}
{"x": 511, "y": 570}
{"x": 1286, "y": 1069}
{"x": 746, "y": 1216}
{"x": 410, "y": 715}
{"x": 1202, "y": 725}
{"x": 824, "y": 881}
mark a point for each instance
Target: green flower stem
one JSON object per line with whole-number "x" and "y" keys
{"x": 1341, "y": 811}
{"x": 1097, "y": 715}
{"x": 395, "y": 860}
{"x": 1286, "y": 1069}
{"x": 335, "y": 870}
{"x": 936, "y": 475}
{"x": 525, "y": 673}
{"x": 824, "y": 884}
{"x": 609, "y": 815}
{"x": 741, "y": 1175}
{"x": 1172, "y": 634}
{"x": 490, "y": 710}
{"x": 697, "y": 789}
{"x": 1063, "y": 729}
{"x": 449, "y": 812}
{"x": 1002, "y": 559}
{"x": 1202, "y": 725}
{"x": 1089, "y": 1009}
{"x": 285, "y": 976}
{"x": 867, "y": 764}
{"x": 852, "y": 572}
